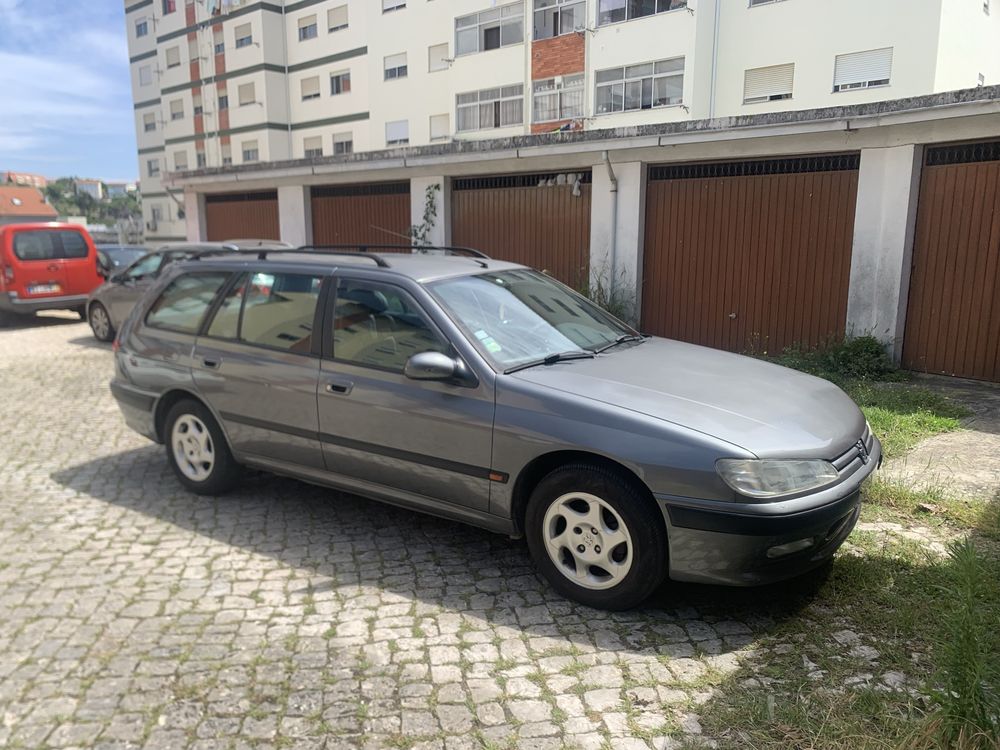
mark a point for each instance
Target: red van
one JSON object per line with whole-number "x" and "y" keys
{"x": 48, "y": 266}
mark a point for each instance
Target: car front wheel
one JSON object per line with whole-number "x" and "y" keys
{"x": 596, "y": 537}
{"x": 100, "y": 323}
{"x": 197, "y": 450}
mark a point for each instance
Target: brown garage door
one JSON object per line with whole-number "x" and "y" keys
{"x": 361, "y": 214}
{"x": 749, "y": 256}
{"x": 953, "y": 312}
{"x": 234, "y": 216}
{"x": 524, "y": 219}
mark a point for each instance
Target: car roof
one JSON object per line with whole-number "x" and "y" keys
{"x": 420, "y": 267}
{"x": 226, "y": 245}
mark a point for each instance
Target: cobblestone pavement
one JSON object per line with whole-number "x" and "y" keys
{"x": 136, "y": 615}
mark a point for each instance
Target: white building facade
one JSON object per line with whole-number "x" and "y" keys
{"x": 326, "y": 121}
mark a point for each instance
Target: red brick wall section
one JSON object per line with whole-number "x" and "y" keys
{"x": 558, "y": 56}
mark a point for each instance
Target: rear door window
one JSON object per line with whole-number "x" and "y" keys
{"x": 49, "y": 244}
{"x": 182, "y": 306}
{"x": 279, "y": 311}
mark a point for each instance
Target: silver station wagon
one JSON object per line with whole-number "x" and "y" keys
{"x": 486, "y": 392}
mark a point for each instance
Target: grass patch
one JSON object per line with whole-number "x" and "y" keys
{"x": 934, "y": 505}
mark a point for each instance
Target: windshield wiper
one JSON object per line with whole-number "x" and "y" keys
{"x": 623, "y": 339}
{"x": 550, "y": 360}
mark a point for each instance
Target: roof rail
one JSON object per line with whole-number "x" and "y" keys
{"x": 263, "y": 253}
{"x": 364, "y": 248}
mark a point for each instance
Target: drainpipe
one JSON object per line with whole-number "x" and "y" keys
{"x": 613, "y": 250}
{"x": 715, "y": 61}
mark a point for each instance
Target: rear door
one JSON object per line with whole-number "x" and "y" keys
{"x": 80, "y": 262}
{"x": 425, "y": 438}
{"x": 257, "y": 365}
{"x": 36, "y": 260}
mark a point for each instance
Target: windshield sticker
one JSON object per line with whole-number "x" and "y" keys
{"x": 491, "y": 345}
{"x": 482, "y": 335}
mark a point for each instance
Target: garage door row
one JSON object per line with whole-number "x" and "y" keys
{"x": 745, "y": 256}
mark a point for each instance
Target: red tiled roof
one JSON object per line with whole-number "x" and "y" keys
{"x": 24, "y": 201}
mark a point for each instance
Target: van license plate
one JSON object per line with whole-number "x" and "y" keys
{"x": 43, "y": 288}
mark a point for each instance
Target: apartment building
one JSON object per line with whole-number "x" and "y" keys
{"x": 644, "y": 141}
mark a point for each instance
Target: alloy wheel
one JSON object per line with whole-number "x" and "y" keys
{"x": 193, "y": 449}
{"x": 587, "y": 540}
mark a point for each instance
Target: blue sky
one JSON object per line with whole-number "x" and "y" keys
{"x": 65, "y": 102}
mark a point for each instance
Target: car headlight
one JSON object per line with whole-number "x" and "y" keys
{"x": 765, "y": 478}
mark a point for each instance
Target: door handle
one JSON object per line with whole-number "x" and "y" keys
{"x": 211, "y": 364}
{"x": 339, "y": 387}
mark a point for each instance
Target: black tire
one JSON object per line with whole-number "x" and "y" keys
{"x": 224, "y": 472}
{"x": 643, "y": 521}
{"x": 101, "y": 332}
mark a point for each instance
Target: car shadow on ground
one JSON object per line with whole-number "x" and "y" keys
{"x": 353, "y": 541}
{"x": 89, "y": 342}
{"x": 10, "y": 322}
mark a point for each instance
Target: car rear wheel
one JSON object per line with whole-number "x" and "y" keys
{"x": 197, "y": 450}
{"x": 596, "y": 537}
{"x": 100, "y": 323}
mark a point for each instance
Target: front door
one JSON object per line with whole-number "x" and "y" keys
{"x": 130, "y": 286}
{"x": 256, "y": 366}
{"x": 428, "y": 438}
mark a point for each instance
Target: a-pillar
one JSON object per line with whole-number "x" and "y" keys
{"x": 295, "y": 214}
{"x": 617, "y": 218}
{"x": 422, "y": 192}
{"x": 884, "y": 220}
{"x": 195, "y": 227}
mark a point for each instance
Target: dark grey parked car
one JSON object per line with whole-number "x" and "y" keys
{"x": 486, "y": 392}
{"x": 112, "y": 301}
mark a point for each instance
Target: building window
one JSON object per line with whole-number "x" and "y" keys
{"x": 145, "y": 75}
{"x": 173, "y": 57}
{"x": 169, "y": 6}
{"x": 499, "y": 107}
{"x": 391, "y": 5}
{"x": 156, "y": 212}
{"x": 437, "y": 57}
{"x": 336, "y": 18}
{"x": 250, "y": 152}
{"x": 768, "y": 84}
{"x": 141, "y": 27}
{"x": 149, "y": 122}
{"x": 244, "y": 35}
{"x": 558, "y": 17}
{"x": 200, "y": 158}
{"x": 558, "y": 98}
{"x": 313, "y": 146}
{"x": 153, "y": 167}
{"x": 218, "y": 42}
{"x": 397, "y": 133}
{"x": 223, "y": 102}
{"x": 340, "y": 83}
{"x": 489, "y": 29}
{"x": 862, "y": 70}
{"x": 310, "y": 88}
{"x": 196, "y": 105}
{"x": 308, "y": 28}
{"x": 343, "y": 143}
{"x": 440, "y": 127}
{"x": 644, "y": 86}
{"x": 227, "y": 155}
{"x": 180, "y": 161}
{"x": 246, "y": 93}
{"x": 614, "y": 11}
{"x": 177, "y": 109}
{"x": 395, "y": 66}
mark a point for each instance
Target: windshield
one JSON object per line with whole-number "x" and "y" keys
{"x": 516, "y": 317}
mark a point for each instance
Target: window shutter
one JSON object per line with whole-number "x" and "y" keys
{"x": 439, "y": 126}
{"x": 307, "y": 21}
{"x": 243, "y": 30}
{"x": 436, "y": 56}
{"x": 862, "y": 67}
{"x": 314, "y": 143}
{"x": 246, "y": 93}
{"x": 310, "y": 87}
{"x": 763, "y": 83}
{"x": 395, "y": 61}
{"x": 173, "y": 56}
{"x": 336, "y": 18}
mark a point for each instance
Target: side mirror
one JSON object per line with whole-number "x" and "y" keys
{"x": 430, "y": 366}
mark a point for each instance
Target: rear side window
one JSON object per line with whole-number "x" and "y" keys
{"x": 276, "y": 311}
{"x": 49, "y": 244}
{"x": 183, "y": 304}
{"x": 279, "y": 310}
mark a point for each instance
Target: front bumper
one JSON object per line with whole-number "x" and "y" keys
{"x": 751, "y": 544}
{"x": 26, "y": 305}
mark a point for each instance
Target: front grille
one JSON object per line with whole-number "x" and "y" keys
{"x": 853, "y": 454}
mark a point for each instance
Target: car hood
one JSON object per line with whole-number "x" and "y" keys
{"x": 768, "y": 410}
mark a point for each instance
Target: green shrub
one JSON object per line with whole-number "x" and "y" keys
{"x": 858, "y": 358}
